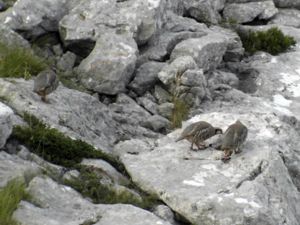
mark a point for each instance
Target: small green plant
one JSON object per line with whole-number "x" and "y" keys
{"x": 180, "y": 112}
{"x": 89, "y": 185}
{"x": 10, "y": 196}
{"x": 56, "y": 147}
{"x": 272, "y": 41}
{"x": 19, "y": 62}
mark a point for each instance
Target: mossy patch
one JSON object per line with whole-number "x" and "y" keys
{"x": 272, "y": 41}
{"x": 56, "y": 147}
{"x": 180, "y": 112}
{"x": 10, "y": 196}
{"x": 89, "y": 185}
{"x": 19, "y": 62}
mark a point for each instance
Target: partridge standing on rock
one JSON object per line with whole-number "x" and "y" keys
{"x": 234, "y": 137}
{"x": 45, "y": 83}
{"x": 198, "y": 132}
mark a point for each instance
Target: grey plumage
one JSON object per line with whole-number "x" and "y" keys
{"x": 198, "y": 132}
{"x": 45, "y": 83}
{"x": 234, "y": 137}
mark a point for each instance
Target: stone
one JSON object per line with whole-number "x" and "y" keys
{"x": 218, "y": 77}
{"x": 55, "y": 171}
{"x": 165, "y": 213}
{"x": 145, "y": 77}
{"x": 205, "y": 11}
{"x": 133, "y": 146}
{"x": 3, "y": 6}
{"x": 206, "y": 51}
{"x": 71, "y": 175}
{"x": 55, "y": 204}
{"x": 193, "y": 78}
{"x": 204, "y": 190}
{"x": 108, "y": 169}
{"x": 6, "y": 121}
{"x": 91, "y": 19}
{"x": 287, "y": 17}
{"x": 66, "y": 62}
{"x": 11, "y": 38}
{"x": 110, "y": 66}
{"x": 171, "y": 72}
{"x": 247, "y": 12}
{"x": 74, "y": 113}
{"x": 161, "y": 95}
{"x": 35, "y": 18}
{"x": 157, "y": 123}
{"x": 128, "y": 109}
{"x": 148, "y": 104}
{"x": 287, "y": 3}
{"x": 166, "y": 110}
{"x": 13, "y": 167}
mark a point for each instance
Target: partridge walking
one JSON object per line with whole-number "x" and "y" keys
{"x": 198, "y": 132}
{"x": 234, "y": 137}
{"x": 45, "y": 83}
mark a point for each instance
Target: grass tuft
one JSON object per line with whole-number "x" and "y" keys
{"x": 272, "y": 41}
{"x": 89, "y": 185}
{"x": 10, "y": 196}
{"x": 55, "y": 147}
{"x": 180, "y": 112}
{"x": 19, "y": 62}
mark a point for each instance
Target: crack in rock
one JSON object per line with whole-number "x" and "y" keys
{"x": 254, "y": 173}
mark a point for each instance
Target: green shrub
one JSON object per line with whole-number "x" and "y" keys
{"x": 89, "y": 185}
{"x": 180, "y": 112}
{"x": 272, "y": 41}
{"x": 10, "y": 196}
{"x": 56, "y": 147}
{"x": 19, "y": 62}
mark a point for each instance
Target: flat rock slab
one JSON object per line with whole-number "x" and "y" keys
{"x": 12, "y": 166}
{"x": 74, "y": 113}
{"x": 255, "y": 187}
{"x": 56, "y": 204}
{"x": 6, "y": 123}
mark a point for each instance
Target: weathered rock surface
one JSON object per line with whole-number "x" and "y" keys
{"x": 247, "y": 12}
{"x": 11, "y": 38}
{"x": 6, "y": 122}
{"x": 110, "y": 66}
{"x": 205, "y": 11}
{"x": 92, "y": 18}
{"x": 36, "y": 18}
{"x": 287, "y": 3}
{"x": 12, "y": 166}
{"x": 207, "y": 51}
{"x": 145, "y": 77}
{"x": 74, "y": 113}
{"x": 287, "y": 17}
{"x": 54, "y": 204}
{"x": 206, "y": 191}
{"x": 108, "y": 169}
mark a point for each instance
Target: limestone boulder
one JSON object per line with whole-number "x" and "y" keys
{"x": 207, "y": 51}
{"x": 205, "y": 11}
{"x": 110, "y": 66}
{"x": 36, "y": 18}
{"x": 54, "y": 204}
{"x": 247, "y": 12}
{"x": 6, "y": 121}
{"x": 287, "y": 17}
{"x": 287, "y": 3}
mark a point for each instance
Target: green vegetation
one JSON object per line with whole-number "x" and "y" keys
{"x": 56, "y": 147}
{"x": 272, "y": 41}
{"x": 19, "y": 62}
{"x": 10, "y": 196}
{"x": 89, "y": 185}
{"x": 180, "y": 112}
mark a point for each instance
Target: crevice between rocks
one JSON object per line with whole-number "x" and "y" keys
{"x": 254, "y": 173}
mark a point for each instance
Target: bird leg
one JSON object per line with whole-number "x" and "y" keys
{"x": 201, "y": 146}
{"x": 44, "y": 99}
{"x": 227, "y": 154}
{"x": 237, "y": 150}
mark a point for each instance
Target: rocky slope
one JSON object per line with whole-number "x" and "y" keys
{"x": 135, "y": 59}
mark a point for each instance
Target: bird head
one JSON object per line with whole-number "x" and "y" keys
{"x": 218, "y": 130}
